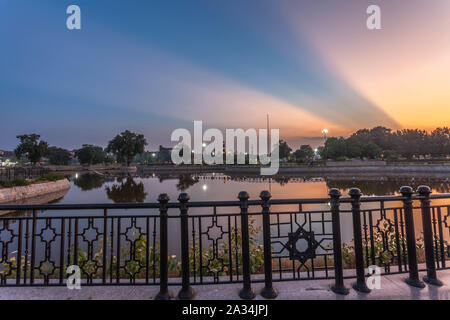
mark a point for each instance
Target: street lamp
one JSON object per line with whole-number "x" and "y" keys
{"x": 324, "y": 132}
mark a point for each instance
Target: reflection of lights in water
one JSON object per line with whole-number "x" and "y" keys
{"x": 205, "y": 187}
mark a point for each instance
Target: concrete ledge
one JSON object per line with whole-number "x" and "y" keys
{"x": 393, "y": 287}
{"x": 15, "y": 194}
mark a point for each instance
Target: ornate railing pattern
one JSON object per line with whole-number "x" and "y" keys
{"x": 246, "y": 241}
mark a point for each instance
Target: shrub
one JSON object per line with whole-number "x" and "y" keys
{"x": 51, "y": 176}
{"x": 17, "y": 182}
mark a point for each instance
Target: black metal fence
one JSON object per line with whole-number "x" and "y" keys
{"x": 243, "y": 241}
{"x": 9, "y": 173}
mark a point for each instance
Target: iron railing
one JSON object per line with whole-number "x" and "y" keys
{"x": 243, "y": 241}
{"x": 9, "y": 173}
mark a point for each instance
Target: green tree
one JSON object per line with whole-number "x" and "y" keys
{"x": 284, "y": 150}
{"x": 58, "y": 156}
{"x": 382, "y": 137}
{"x": 90, "y": 154}
{"x": 126, "y": 146}
{"x": 411, "y": 143}
{"x": 439, "y": 142}
{"x": 371, "y": 151}
{"x": 335, "y": 148}
{"x": 31, "y": 147}
{"x": 304, "y": 154}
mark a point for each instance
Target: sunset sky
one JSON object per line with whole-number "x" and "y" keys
{"x": 154, "y": 66}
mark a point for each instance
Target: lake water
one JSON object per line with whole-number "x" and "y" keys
{"x": 91, "y": 188}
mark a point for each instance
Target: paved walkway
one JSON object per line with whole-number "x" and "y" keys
{"x": 393, "y": 287}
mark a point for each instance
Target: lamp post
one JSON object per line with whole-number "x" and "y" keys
{"x": 324, "y": 132}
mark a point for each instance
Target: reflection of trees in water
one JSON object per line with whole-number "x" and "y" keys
{"x": 89, "y": 181}
{"x": 186, "y": 181}
{"x": 281, "y": 180}
{"x": 381, "y": 188}
{"x": 441, "y": 187}
{"x": 128, "y": 191}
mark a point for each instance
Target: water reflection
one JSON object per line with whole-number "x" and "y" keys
{"x": 126, "y": 191}
{"x": 89, "y": 181}
{"x": 185, "y": 181}
{"x": 217, "y": 186}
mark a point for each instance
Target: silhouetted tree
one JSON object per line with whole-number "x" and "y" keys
{"x": 58, "y": 156}
{"x": 284, "y": 149}
{"x": 90, "y": 154}
{"x": 304, "y": 154}
{"x": 411, "y": 142}
{"x": 335, "y": 148}
{"x": 439, "y": 142}
{"x": 31, "y": 147}
{"x": 126, "y": 146}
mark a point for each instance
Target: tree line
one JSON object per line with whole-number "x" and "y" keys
{"x": 124, "y": 147}
{"x": 376, "y": 143}
{"x": 384, "y": 143}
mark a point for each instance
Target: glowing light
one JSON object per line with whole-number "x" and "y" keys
{"x": 325, "y": 131}
{"x": 76, "y": 175}
{"x": 205, "y": 187}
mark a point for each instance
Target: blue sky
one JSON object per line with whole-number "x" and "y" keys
{"x": 154, "y": 66}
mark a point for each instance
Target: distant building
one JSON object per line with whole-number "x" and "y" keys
{"x": 165, "y": 154}
{"x": 7, "y": 158}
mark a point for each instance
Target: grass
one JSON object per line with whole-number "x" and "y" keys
{"x": 21, "y": 182}
{"x": 51, "y": 176}
{"x": 16, "y": 182}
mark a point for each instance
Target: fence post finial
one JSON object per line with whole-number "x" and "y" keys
{"x": 360, "y": 284}
{"x": 413, "y": 279}
{"x": 186, "y": 292}
{"x": 268, "y": 292}
{"x": 164, "y": 293}
{"x": 246, "y": 292}
{"x": 338, "y": 287}
{"x": 430, "y": 278}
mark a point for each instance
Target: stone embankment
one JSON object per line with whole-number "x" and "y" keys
{"x": 35, "y": 190}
